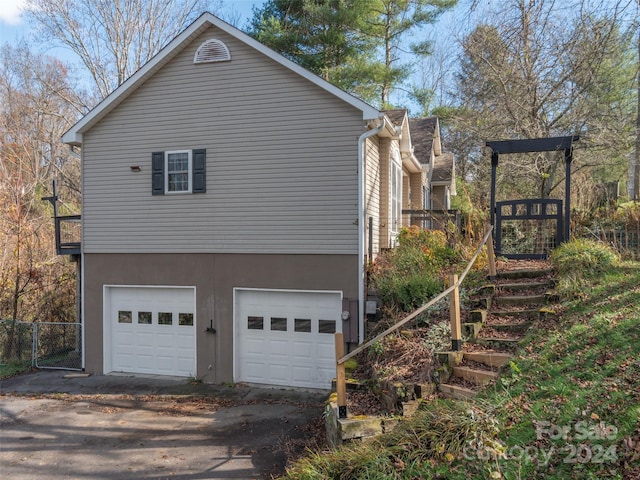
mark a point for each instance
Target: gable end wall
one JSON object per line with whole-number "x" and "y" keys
{"x": 281, "y": 162}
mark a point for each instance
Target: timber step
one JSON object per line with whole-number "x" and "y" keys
{"x": 519, "y": 300}
{"x": 507, "y": 343}
{"x": 521, "y": 327}
{"x": 525, "y": 273}
{"x": 489, "y": 358}
{"x": 529, "y": 313}
{"x": 456, "y": 392}
{"x": 475, "y": 376}
{"x": 525, "y": 286}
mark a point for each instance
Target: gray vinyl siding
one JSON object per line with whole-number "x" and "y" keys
{"x": 281, "y": 173}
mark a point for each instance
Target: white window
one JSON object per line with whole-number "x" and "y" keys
{"x": 396, "y": 194}
{"x": 178, "y": 167}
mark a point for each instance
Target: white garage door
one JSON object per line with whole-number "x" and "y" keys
{"x": 286, "y": 337}
{"x": 150, "y": 330}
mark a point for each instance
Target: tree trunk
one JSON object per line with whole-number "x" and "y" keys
{"x": 635, "y": 161}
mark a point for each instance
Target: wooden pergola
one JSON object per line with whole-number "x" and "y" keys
{"x": 531, "y": 146}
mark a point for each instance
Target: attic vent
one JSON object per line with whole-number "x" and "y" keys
{"x": 212, "y": 51}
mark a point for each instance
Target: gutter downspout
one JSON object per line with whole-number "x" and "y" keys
{"x": 362, "y": 212}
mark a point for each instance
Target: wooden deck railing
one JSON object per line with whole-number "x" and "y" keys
{"x": 454, "y": 309}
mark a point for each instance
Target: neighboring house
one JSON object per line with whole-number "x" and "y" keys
{"x": 231, "y": 200}
{"x": 440, "y": 165}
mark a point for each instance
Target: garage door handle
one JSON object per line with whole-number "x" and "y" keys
{"x": 210, "y": 328}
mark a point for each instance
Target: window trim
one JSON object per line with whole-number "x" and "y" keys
{"x": 189, "y": 172}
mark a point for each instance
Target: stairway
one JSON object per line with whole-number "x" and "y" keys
{"x": 500, "y": 317}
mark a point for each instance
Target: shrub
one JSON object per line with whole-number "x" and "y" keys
{"x": 583, "y": 258}
{"x": 412, "y": 273}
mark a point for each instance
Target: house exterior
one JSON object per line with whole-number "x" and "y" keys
{"x": 231, "y": 201}
{"x": 440, "y": 165}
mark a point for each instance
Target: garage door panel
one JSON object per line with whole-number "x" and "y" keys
{"x": 281, "y": 329}
{"x": 325, "y": 375}
{"x": 278, "y": 348}
{"x": 138, "y": 342}
{"x": 302, "y": 374}
{"x": 326, "y": 352}
{"x": 279, "y": 372}
{"x": 254, "y": 371}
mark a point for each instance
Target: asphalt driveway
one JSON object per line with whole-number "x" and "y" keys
{"x": 57, "y": 425}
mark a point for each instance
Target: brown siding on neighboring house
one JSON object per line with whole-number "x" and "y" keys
{"x": 281, "y": 172}
{"x": 438, "y": 197}
{"x": 406, "y": 201}
{"x": 417, "y": 181}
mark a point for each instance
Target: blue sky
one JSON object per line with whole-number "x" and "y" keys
{"x": 13, "y": 27}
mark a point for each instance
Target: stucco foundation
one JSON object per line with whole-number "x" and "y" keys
{"x": 214, "y": 276}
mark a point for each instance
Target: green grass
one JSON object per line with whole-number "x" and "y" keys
{"x": 10, "y": 369}
{"x": 567, "y": 407}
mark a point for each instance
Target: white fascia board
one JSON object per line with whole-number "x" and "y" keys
{"x": 74, "y": 134}
{"x": 411, "y": 163}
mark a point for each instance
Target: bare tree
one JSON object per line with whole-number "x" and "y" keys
{"x": 113, "y": 38}
{"x": 37, "y": 104}
{"x": 634, "y": 170}
{"x": 541, "y": 70}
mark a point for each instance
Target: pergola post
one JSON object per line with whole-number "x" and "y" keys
{"x": 494, "y": 168}
{"x": 568, "y": 157}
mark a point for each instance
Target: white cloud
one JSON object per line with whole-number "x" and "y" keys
{"x": 10, "y": 11}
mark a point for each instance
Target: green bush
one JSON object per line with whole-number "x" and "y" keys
{"x": 411, "y": 274}
{"x": 408, "y": 292}
{"x": 583, "y": 258}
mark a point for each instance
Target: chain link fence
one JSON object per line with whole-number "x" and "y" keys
{"x": 55, "y": 345}
{"x": 16, "y": 342}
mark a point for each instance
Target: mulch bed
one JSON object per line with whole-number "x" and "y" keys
{"x": 364, "y": 403}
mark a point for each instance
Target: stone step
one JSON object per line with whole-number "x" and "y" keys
{"x": 525, "y": 273}
{"x": 479, "y": 377}
{"x": 521, "y": 300}
{"x": 492, "y": 359}
{"x": 456, "y": 392}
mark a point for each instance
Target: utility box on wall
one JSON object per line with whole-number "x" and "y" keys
{"x": 350, "y": 325}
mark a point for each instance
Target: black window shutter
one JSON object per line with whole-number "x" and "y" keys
{"x": 199, "y": 171}
{"x": 157, "y": 173}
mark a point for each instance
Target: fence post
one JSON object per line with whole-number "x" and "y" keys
{"x": 341, "y": 378}
{"x": 34, "y": 344}
{"x": 454, "y": 315}
{"x": 491, "y": 255}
